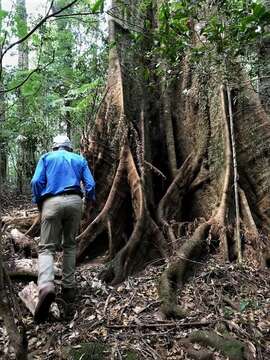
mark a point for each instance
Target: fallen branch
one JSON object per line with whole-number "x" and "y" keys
{"x": 158, "y": 325}
{"x": 110, "y": 209}
{"x": 231, "y": 303}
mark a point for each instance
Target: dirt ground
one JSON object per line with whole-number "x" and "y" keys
{"x": 124, "y": 322}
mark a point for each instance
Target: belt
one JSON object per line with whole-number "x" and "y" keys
{"x": 67, "y": 192}
{"x": 71, "y": 192}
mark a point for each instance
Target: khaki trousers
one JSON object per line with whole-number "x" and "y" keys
{"x": 60, "y": 221}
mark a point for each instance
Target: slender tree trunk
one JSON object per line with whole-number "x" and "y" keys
{"x": 166, "y": 111}
{"x": 66, "y": 61}
{"x": 3, "y": 149}
{"x": 25, "y": 152}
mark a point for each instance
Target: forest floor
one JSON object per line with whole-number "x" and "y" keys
{"x": 124, "y": 321}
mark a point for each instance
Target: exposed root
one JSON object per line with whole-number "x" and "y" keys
{"x": 232, "y": 348}
{"x": 111, "y": 247}
{"x": 200, "y": 354}
{"x": 172, "y": 200}
{"x": 109, "y": 211}
{"x": 247, "y": 214}
{"x": 174, "y": 277}
{"x": 144, "y": 231}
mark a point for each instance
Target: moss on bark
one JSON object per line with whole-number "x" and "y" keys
{"x": 232, "y": 348}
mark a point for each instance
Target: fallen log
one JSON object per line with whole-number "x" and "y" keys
{"x": 24, "y": 242}
{"x": 22, "y": 222}
{"x": 27, "y": 268}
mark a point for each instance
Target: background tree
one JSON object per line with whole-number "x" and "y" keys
{"x": 51, "y": 88}
{"x": 3, "y": 145}
{"x": 30, "y": 96}
{"x": 25, "y": 144}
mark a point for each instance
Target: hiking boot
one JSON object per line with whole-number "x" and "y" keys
{"x": 45, "y": 297}
{"x": 69, "y": 295}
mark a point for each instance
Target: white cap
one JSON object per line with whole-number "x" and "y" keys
{"x": 61, "y": 140}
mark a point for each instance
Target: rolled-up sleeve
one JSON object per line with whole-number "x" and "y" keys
{"x": 38, "y": 182}
{"x": 88, "y": 182}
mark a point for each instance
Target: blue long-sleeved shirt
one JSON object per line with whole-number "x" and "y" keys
{"x": 61, "y": 171}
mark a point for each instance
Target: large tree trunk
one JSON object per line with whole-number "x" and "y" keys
{"x": 264, "y": 67}
{"x": 159, "y": 168}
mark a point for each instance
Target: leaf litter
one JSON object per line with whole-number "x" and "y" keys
{"x": 126, "y": 317}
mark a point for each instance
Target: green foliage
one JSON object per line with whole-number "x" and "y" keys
{"x": 216, "y": 32}
{"x": 21, "y": 26}
{"x": 89, "y": 351}
{"x": 98, "y": 6}
{"x": 69, "y": 56}
{"x": 3, "y": 14}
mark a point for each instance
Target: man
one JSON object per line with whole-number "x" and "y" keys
{"x": 57, "y": 193}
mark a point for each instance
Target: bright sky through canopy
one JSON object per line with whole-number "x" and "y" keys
{"x": 34, "y": 8}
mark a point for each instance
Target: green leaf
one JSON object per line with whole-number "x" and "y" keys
{"x": 258, "y": 10}
{"x": 35, "y": 40}
{"x": 3, "y": 14}
{"x": 21, "y": 26}
{"x": 244, "y": 304}
{"x": 98, "y": 6}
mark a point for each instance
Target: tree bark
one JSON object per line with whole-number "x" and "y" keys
{"x": 264, "y": 68}
{"x": 182, "y": 158}
{"x": 66, "y": 61}
{"x": 26, "y": 144}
